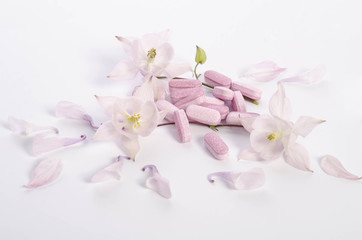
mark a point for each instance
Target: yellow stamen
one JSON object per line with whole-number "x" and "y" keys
{"x": 274, "y": 136}
{"x": 134, "y": 119}
{"x": 151, "y": 53}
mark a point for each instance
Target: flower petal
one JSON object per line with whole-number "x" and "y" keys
{"x": 107, "y": 103}
{"x": 264, "y": 71}
{"x": 314, "y": 75}
{"x": 130, "y": 145}
{"x": 268, "y": 150}
{"x": 159, "y": 88}
{"x": 304, "y": 125}
{"x": 149, "y": 119}
{"x": 176, "y": 69}
{"x": 23, "y": 127}
{"x": 145, "y": 91}
{"x": 249, "y": 180}
{"x": 124, "y": 70}
{"x": 112, "y": 171}
{"x": 45, "y": 172}
{"x": 250, "y": 154}
{"x": 156, "y": 182}
{"x": 297, "y": 156}
{"x": 73, "y": 111}
{"x": 106, "y": 132}
{"x": 42, "y": 143}
{"x": 279, "y": 104}
{"x": 332, "y": 166}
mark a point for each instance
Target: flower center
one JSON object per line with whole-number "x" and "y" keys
{"x": 151, "y": 54}
{"x": 274, "y": 136}
{"x": 134, "y": 120}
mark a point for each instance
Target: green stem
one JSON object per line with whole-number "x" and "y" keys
{"x": 197, "y": 123}
{"x": 197, "y": 77}
{"x": 207, "y": 85}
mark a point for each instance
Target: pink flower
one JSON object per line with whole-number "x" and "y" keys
{"x": 130, "y": 118}
{"x": 273, "y": 136}
{"x": 150, "y": 55}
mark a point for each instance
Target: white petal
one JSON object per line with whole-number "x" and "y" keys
{"x": 265, "y": 123}
{"x": 157, "y": 183}
{"x": 23, "y": 127}
{"x": 107, "y": 103}
{"x": 314, "y": 75}
{"x": 149, "y": 119}
{"x": 159, "y": 88}
{"x": 124, "y": 70}
{"x": 73, "y": 111}
{"x": 297, "y": 156}
{"x": 145, "y": 91}
{"x": 112, "y": 171}
{"x": 332, "y": 166}
{"x": 176, "y": 69}
{"x": 130, "y": 145}
{"x": 249, "y": 180}
{"x": 106, "y": 132}
{"x": 250, "y": 154}
{"x": 43, "y": 143}
{"x": 268, "y": 150}
{"x": 264, "y": 71}
{"x": 45, "y": 172}
{"x": 279, "y": 104}
{"x": 305, "y": 125}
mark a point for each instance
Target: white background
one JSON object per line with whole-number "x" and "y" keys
{"x": 62, "y": 50}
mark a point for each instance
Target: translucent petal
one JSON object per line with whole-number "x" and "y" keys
{"x": 279, "y": 104}
{"x": 332, "y": 166}
{"x": 43, "y": 143}
{"x": 124, "y": 70}
{"x": 157, "y": 183}
{"x": 305, "y": 125}
{"x": 297, "y": 156}
{"x": 264, "y": 71}
{"x": 45, "y": 172}
{"x": 23, "y": 127}
{"x": 314, "y": 75}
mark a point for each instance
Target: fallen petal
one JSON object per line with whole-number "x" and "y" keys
{"x": 156, "y": 182}
{"x": 42, "y": 143}
{"x": 264, "y": 71}
{"x": 279, "y": 104}
{"x": 249, "y": 180}
{"x": 25, "y": 128}
{"x": 45, "y": 172}
{"x": 73, "y": 111}
{"x": 332, "y": 166}
{"x": 304, "y": 125}
{"x": 112, "y": 171}
{"x": 297, "y": 156}
{"x": 314, "y": 75}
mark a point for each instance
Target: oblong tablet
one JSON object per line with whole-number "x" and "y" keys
{"x": 203, "y": 115}
{"x": 193, "y": 99}
{"x": 238, "y": 102}
{"x": 223, "y": 93}
{"x": 178, "y": 93}
{"x": 217, "y": 79}
{"x": 222, "y": 109}
{"x": 235, "y": 117}
{"x": 247, "y": 90}
{"x": 184, "y": 83}
{"x": 213, "y": 100}
{"x": 216, "y": 146}
{"x": 182, "y": 126}
{"x": 166, "y": 105}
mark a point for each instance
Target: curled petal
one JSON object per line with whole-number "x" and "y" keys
{"x": 124, "y": 70}
{"x": 112, "y": 171}
{"x": 45, "y": 172}
{"x": 332, "y": 166}
{"x": 249, "y": 180}
{"x": 304, "y": 125}
{"x": 176, "y": 69}
{"x": 106, "y": 132}
{"x": 73, "y": 111}
{"x": 25, "y": 128}
{"x": 297, "y": 156}
{"x": 42, "y": 143}
{"x": 279, "y": 105}
{"x": 264, "y": 71}
{"x": 156, "y": 182}
{"x": 250, "y": 154}
{"x": 312, "y": 76}
{"x": 107, "y": 103}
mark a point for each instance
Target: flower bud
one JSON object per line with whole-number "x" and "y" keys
{"x": 200, "y": 55}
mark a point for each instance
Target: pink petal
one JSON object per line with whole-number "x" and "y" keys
{"x": 332, "y": 166}
{"x": 107, "y": 103}
{"x": 73, "y": 111}
{"x": 268, "y": 150}
{"x": 124, "y": 70}
{"x": 176, "y": 69}
{"x": 297, "y": 156}
{"x": 106, "y": 132}
{"x": 305, "y": 125}
{"x": 264, "y": 71}
{"x": 314, "y": 75}
{"x": 45, "y": 172}
{"x": 157, "y": 183}
{"x": 25, "y": 128}
{"x": 249, "y": 180}
{"x": 112, "y": 171}
{"x": 42, "y": 143}
{"x": 279, "y": 104}
{"x": 250, "y": 154}
{"x": 131, "y": 145}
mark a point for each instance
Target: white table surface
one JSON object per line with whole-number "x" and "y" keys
{"x": 62, "y": 50}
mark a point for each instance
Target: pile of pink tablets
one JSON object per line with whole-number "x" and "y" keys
{"x": 188, "y": 103}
